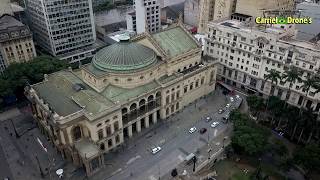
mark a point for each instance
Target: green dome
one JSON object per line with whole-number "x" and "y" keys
{"x": 124, "y": 56}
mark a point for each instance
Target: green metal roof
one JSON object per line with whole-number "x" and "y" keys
{"x": 124, "y": 56}
{"x": 175, "y": 41}
{"x": 121, "y": 94}
{"x": 58, "y": 92}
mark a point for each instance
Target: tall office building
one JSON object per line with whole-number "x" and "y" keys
{"x": 255, "y": 8}
{"x": 211, "y": 10}
{"x": 65, "y": 28}
{"x": 191, "y": 12}
{"x": 145, "y": 15}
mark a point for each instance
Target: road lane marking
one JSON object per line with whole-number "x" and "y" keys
{"x": 133, "y": 159}
{"x": 215, "y": 132}
{"x": 152, "y": 177}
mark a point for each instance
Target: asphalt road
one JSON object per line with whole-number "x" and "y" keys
{"x": 141, "y": 164}
{"x": 4, "y": 166}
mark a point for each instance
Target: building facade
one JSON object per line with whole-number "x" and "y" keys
{"x": 16, "y": 43}
{"x": 255, "y": 8}
{"x": 192, "y": 12}
{"x": 129, "y": 86}
{"x": 145, "y": 17}
{"x": 211, "y": 10}
{"x": 245, "y": 54}
{"x": 64, "y": 29}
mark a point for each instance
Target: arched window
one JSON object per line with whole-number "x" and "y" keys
{"x": 133, "y": 107}
{"x": 124, "y": 110}
{"x": 150, "y": 98}
{"x": 76, "y": 133}
{"x": 102, "y": 146}
{"x": 116, "y": 126}
{"x": 100, "y": 134}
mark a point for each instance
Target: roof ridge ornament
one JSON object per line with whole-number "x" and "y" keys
{"x": 124, "y": 38}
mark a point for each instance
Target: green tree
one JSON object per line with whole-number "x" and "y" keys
{"x": 16, "y": 76}
{"x": 291, "y": 76}
{"x": 248, "y": 138}
{"x": 274, "y": 76}
{"x": 276, "y": 107}
{"x": 308, "y": 157}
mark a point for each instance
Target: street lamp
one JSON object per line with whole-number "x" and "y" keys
{"x": 194, "y": 159}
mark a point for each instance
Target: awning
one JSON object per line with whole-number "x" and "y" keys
{"x": 230, "y": 88}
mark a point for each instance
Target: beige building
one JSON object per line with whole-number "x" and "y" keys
{"x": 244, "y": 54}
{"x": 16, "y": 44}
{"x": 211, "y": 10}
{"x": 255, "y": 8}
{"x": 129, "y": 86}
{"x": 191, "y": 13}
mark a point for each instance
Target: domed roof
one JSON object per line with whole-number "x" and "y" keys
{"x": 124, "y": 56}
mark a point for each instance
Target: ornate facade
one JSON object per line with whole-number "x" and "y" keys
{"x": 16, "y": 44}
{"x": 129, "y": 86}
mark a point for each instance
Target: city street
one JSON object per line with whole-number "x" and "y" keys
{"x": 133, "y": 161}
{"x": 136, "y": 161}
{"x": 22, "y": 157}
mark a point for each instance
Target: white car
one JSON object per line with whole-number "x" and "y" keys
{"x": 192, "y": 130}
{"x": 208, "y": 119}
{"x": 156, "y": 150}
{"x": 231, "y": 99}
{"x": 228, "y": 105}
{"x": 237, "y": 96}
{"x": 220, "y": 111}
{"x": 214, "y": 124}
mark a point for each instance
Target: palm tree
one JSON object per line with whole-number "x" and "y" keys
{"x": 310, "y": 81}
{"x": 291, "y": 76}
{"x": 274, "y": 76}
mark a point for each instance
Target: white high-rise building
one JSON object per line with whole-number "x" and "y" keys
{"x": 145, "y": 15}
{"x": 65, "y": 28}
{"x": 245, "y": 53}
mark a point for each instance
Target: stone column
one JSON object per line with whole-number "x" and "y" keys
{"x": 130, "y": 131}
{"x": 154, "y": 117}
{"x": 146, "y": 121}
{"x": 138, "y": 125}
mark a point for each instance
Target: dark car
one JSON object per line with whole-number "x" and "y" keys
{"x": 203, "y": 130}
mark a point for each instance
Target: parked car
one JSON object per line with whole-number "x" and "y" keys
{"x": 228, "y": 105}
{"x": 203, "y": 130}
{"x": 192, "y": 130}
{"x": 214, "y": 124}
{"x": 156, "y": 150}
{"x": 208, "y": 119}
{"x": 231, "y": 99}
{"x": 220, "y": 111}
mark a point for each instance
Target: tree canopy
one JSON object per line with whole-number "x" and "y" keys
{"x": 308, "y": 157}
{"x": 248, "y": 138}
{"x": 16, "y": 76}
{"x": 255, "y": 103}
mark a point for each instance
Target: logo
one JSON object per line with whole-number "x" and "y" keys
{"x": 282, "y": 20}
